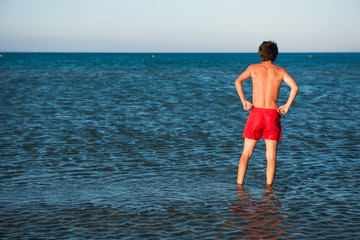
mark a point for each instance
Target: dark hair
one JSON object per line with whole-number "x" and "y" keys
{"x": 268, "y": 51}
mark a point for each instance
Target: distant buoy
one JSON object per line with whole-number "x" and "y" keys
{"x": 152, "y": 55}
{"x": 0, "y": 55}
{"x": 310, "y": 56}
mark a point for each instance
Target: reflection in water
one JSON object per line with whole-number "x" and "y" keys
{"x": 257, "y": 218}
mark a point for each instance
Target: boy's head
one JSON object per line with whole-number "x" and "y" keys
{"x": 268, "y": 51}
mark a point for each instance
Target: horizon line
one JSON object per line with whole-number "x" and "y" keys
{"x": 149, "y": 52}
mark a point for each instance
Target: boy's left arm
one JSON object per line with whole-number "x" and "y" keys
{"x": 238, "y": 84}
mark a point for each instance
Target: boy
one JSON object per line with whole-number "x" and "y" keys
{"x": 264, "y": 117}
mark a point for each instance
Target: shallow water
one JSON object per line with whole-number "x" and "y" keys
{"x": 126, "y": 146}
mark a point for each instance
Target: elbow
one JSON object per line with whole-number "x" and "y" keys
{"x": 296, "y": 88}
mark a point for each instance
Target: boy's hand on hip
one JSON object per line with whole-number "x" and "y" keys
{"x": 283, "y": 109}
{"x": 248, "y": 105}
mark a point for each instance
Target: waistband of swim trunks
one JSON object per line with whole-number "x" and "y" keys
{"x": 265, "y": 109}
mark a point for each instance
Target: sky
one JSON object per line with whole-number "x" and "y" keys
{"x": 178, "y": 25}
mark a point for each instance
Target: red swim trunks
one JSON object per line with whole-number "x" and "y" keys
{"x": 263, "y": 122}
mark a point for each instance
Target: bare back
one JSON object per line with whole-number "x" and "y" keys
{"x": 266, "y": 78}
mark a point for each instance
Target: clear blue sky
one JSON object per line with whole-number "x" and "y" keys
{"x": 179, "y": 25}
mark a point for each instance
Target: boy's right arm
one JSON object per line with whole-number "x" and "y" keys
{"x": 294, "y": 89}
{"x": 238, "y": 84}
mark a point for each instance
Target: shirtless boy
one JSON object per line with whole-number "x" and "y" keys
{"x": 264, "y": 117}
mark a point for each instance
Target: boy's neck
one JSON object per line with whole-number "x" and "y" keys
{"x": 268, "y": 62}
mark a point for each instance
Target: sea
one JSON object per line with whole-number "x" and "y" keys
{"x": 147, "y": 145}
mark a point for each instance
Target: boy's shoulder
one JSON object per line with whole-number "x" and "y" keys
{"x": 262, "y": 66}
{"x": 254, "y": 66}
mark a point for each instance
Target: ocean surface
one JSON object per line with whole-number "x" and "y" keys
{"x": 135, "y": 146}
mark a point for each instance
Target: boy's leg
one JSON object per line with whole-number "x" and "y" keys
{"x": 271, "y": 149}
{"x": 249, "y": 145}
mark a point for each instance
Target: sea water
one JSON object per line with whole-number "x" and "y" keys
{"x": 146, "y": 146}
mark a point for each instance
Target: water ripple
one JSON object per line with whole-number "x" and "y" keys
{"x": 125, "y": 146}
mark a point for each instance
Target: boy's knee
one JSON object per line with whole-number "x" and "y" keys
{"x": 246, "y": 154}
{"x": 271, "y": 157}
